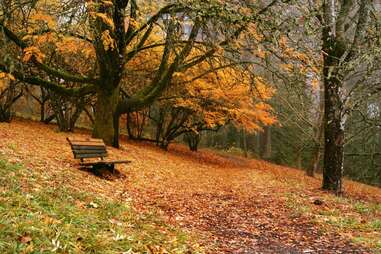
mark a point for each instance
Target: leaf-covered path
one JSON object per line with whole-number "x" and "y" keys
{"x": 234, "y": 205}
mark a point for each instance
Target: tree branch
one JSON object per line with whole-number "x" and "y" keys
{"x": 84, "y": 90}
{"x": 49, "y": 70}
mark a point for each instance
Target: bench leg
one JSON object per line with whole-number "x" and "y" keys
{"x": 108, "y": 166}
{"x": 112, "y": 167}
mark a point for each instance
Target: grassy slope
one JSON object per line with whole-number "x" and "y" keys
{"x": 230, "y": 202}
{"x": 38, "y": 218}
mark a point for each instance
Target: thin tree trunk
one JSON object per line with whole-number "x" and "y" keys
{"x": 42, "y": 112}
{"x": 266, "y": 143}
{"x": 299, "y": 158}
{"x": 244, "y": 142}
{"x": 316, "y": 154}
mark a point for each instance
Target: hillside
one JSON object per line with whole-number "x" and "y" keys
{"x": 182, "y": 201}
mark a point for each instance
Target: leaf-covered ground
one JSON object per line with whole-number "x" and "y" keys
{"x": 234, "y": 205}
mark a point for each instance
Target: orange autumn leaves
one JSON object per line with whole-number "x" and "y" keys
{"x": 5, "y": 79}
{"x": 214, "y": 95}
{"x": 299, "y": 62}
{"x": 219, "y": 97}
{"x": 223, "y": 96}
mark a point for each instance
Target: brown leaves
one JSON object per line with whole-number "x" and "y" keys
{"x": 240, "y": 205}
{"x": 25, "y": 239}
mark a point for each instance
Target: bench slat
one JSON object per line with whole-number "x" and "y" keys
{"x": 104, "y": 162}
{"x": 90, "y": 151}
{"x": 97, "y": 155}
{"x": 80, "y": 147}
{"x": 87, "y": 139}
{"x": 90, "y": 142}
{"x": 91, "y": 148}
{"x": 87, "y": 143}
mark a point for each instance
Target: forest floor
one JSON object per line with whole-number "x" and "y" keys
{"x": 230, "y": 204}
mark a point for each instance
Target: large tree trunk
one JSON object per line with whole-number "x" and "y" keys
{"x": 333, "y": 135}
{"x": 333, "y": 115}
{"x": 334, "y": 48}
{"x": 105, "y": 108}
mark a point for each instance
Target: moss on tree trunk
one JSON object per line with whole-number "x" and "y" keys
{"x": 334, "y": 138}
{"x": 105, "y": 108}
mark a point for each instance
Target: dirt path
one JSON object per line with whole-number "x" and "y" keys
{"x": 242, "y": 210}
{"x": 235, "y": 205}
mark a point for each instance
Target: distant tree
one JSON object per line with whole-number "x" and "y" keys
{"x": 42, "y": 98}
{"x": 211, "y": 101}
{"x": 67, "y": 110}
{"x": 339, "y": 42}
{"x": 10, "y": 92}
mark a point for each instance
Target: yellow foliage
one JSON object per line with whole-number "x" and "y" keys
{"x": 33, "y": 51}
{"x": 254, "y": 32}
{"x": 3, "y": 84}
{"x": 262, "y": 89}
{"x": 71, "y": 45}
{"x": 260, "y": 53}
{"x": 4, "y": 80}
{"x": 133, "y": 23}
{"x": 108, "y": 21}
{"x": 315, "y": 84}
{"x": 108, "y": 42}
{"x": 40, "y": 16}
{"x": 287, "y": 67}
{"x": 107, "y": 3}
{"x": 296, "y": 61}
{"x": 213, "y": 97}
{"x": 225, "y": 95}
{"x": 283, "y": 41}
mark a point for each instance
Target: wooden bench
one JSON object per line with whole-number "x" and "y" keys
{"x": 92, "y": 148}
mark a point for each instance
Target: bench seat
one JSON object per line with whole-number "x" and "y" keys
{"x": 92, "y": 148}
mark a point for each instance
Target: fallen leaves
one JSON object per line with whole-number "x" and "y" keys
{"x": 233, "y": 204}
{"x": 93, "y": 205}
{"x": 25, "y": 239}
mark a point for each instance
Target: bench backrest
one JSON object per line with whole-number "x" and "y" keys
{"x": 88, "y": 148}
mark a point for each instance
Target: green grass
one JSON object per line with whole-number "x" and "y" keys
{"x": 366, "y": 208}
{"x": 296, "y": 205}
{"x": 360, "y": 220}
{"x": 38, "y": 218}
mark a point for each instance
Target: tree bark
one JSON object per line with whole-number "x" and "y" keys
{"x": 105, "y": 108}
{"x": 265, "y": 143}
{"x": 334, "y": 48}
{"x": 193, "y": 139}
{"x": 333, "y": 134}
{"x": 316, "y": 154}
{"x": 244, "y": 143}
